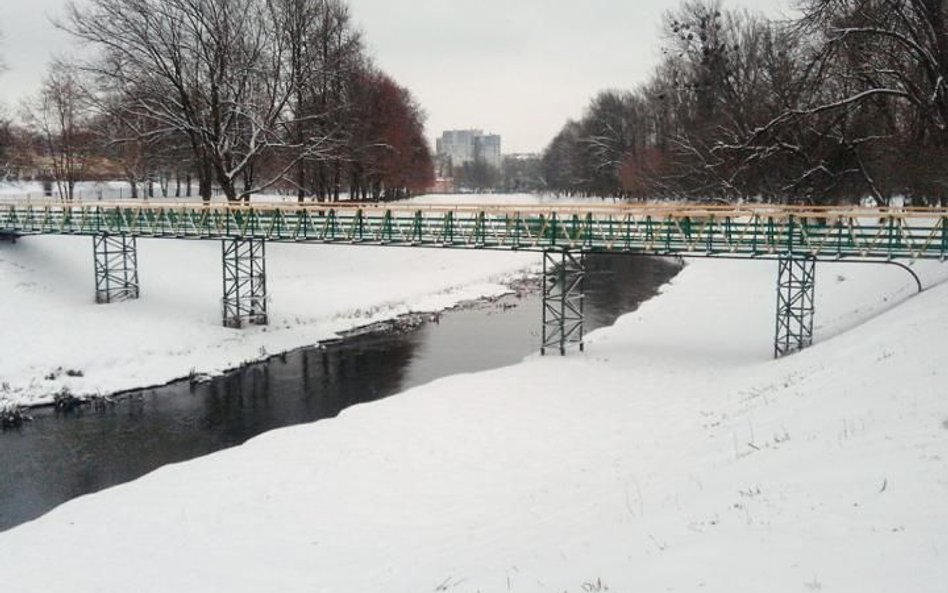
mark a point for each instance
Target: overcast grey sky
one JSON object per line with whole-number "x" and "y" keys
{"x": 519, "y": 68}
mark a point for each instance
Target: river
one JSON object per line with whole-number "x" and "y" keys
{"x": 60, "y": 456}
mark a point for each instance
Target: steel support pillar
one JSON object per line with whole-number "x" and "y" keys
{"x": 116, "y": 268}
{"x": 796, "y": 281}
{"x": 564, "y": 276}
{"x": 245, "y": 282}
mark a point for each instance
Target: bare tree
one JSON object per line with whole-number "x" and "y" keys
{"x": 846, "y": 102}
{"x": 128, "y": 142}
{"x": 869, "y": 108}
{"x": 891, "y": 58}
{"x": 6, "y": 148}
{"x": 610, "y": 136}
{"x": 6, "y": 134}
{"x": 219, "y": 72}
{"x": 61, "y": 117}
{"x": 325, "y": 61}
{"x": 389, "y": 155}
{"x": 560, "y": 163}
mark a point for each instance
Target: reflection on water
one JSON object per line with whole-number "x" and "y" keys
{"x": 57, "y": 458}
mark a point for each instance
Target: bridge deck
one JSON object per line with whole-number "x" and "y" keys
{"x": 744, "y": 231}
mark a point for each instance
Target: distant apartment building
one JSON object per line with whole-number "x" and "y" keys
{"x": 488, "y": 148}
{"x": 457, "y": 145}
{"x": 468, "y": 146}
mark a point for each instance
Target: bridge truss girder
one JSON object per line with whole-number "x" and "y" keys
{"x": 245, "y": 282}
{"x": 564, "y": 274}
{"x": 796, "y": 287}
{"x": 116, "y": 268}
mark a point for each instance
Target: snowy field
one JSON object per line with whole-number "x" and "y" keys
{"x": 87, "y": 190}
{"x": 504, "y": 199}
{"x": 673, "y": 456}
{"x": 93, "y": 191}
{"x": 120, "y": 191}
{"x": 53, "y": 331}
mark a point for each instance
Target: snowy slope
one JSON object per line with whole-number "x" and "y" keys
{"x": 673, "y": 456}
{"x": 50, "y": 324}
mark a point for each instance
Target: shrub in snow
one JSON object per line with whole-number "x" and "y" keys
{"x": 60, "y": 371}
{"x": 65, "y": 401}
{"x": 11, "y": 416}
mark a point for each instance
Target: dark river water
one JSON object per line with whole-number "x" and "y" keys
{"x": 58, "y": 457}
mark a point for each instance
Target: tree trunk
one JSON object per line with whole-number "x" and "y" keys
{"x": 205, "y": 180}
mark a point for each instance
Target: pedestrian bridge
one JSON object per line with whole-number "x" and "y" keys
{"x": 797, "y": 237}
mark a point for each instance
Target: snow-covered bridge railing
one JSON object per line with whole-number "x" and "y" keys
{"x": 797, "y": 236}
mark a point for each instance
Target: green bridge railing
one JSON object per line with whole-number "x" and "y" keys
{"x": 659, "y": 230}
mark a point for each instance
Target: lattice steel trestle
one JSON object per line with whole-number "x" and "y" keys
{"x": 796, "y": 282}
{"x": 564, "y": 234}
{"x": 564, "y": 273}
{"x": 116, "y": 268}
{"x": 564, "y": 276}
{"x": 245, "y": 282}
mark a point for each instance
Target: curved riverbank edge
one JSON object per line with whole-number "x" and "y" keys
{"x": 57, "y": 339}
{"x": 529, "y": 282}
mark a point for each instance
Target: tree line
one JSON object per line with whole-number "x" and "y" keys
{"x": 846, "y": 101}
{"x": 230, "y": 96}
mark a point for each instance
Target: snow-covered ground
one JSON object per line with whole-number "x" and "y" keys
{"x": 53, "y": 332}
{"x": 503, "y": 199}
{"x": 121, "y": 191}
{"x": 673, "y": 456}
{"x": 86, "y": 190}
{"x": 92, "y": 191}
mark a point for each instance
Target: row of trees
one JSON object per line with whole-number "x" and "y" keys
{"x": 518, "y": 173}
{"x": 847, "y": 101}
{"x": 236, "y": 96}
{"x": 6, "y": 132}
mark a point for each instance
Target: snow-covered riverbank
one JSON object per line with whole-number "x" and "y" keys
{"x": 673, "y": 456}
{"x": 54, "y": 336}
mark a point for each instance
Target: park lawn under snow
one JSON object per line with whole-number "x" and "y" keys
{"x": 673, "y": 455}
{"x": 52, "y": 328}
{"x": 118, "y": 191}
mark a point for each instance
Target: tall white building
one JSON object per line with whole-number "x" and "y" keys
{"x": 467, "y": 146}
